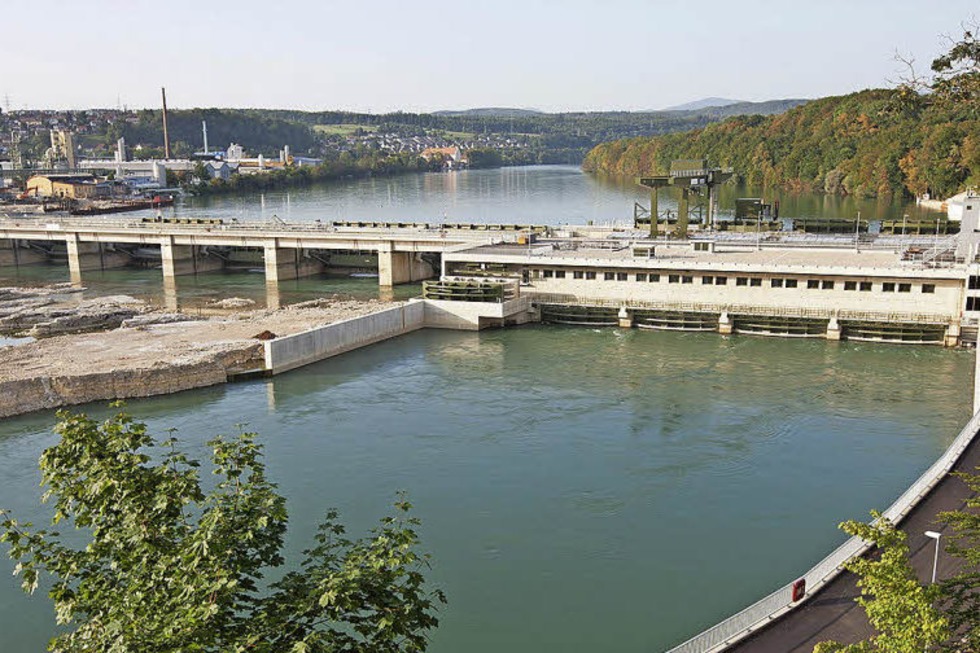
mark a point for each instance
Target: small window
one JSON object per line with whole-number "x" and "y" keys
{"x": 791, "y": 283}
{"x": 548, "y": 274}
{"x": 687, "y": 279}
{"x": 827, "y": 285}
{"x": 973, "y": 303}
{"x": 755, "y": 282}
{"x": 929, "y": 288}
{"x": 609, "y": 276}
{"x": 621, "y": 276}
{"x": 974, "y": 282}
{"x": 721, "y": 281}
{"x": 850, "y": 285}
{"x": 865, "y": 286}
{"x": 590, "y": 275}
{"x": 812, "y": 284}
{"x": 673, "y": 278}
{"x": 707, "y": 281}
{"x": 641, "y": 276}
{"x": 559, "y": 274}
{"x": 741, "y": 281}
{"x": 887, "y": 287}
{"x": 578, "y": 274}
{"x": 904, "y": 287}
{"x": 776, "y": 283}
{"x": 653, "y": 278}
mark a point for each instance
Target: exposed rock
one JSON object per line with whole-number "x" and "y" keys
{"x": 44, "y": 316}
{"x": 232, "y": 302}
{"x": 265, "y": 335}
{"x": 149, "y": 319}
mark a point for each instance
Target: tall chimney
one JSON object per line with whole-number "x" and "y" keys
{"x": 204, "y": 126}
{"x": 166, "y": 135}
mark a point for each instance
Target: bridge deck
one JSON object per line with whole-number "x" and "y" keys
{"x": 832, "y": 614}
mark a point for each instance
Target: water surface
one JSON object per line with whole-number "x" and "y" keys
{"x": 580, "y": 489}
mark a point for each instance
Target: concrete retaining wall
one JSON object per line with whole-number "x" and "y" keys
{"x": 290, "y": 352}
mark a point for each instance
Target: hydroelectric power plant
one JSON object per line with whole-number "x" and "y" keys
{"x": 665, "y": 297}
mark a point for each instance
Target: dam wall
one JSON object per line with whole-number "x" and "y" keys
{"x": 289, "y": 352}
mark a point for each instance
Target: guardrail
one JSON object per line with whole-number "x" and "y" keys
{"x": 739, "y": 309}
{"x": 763, "y": 612}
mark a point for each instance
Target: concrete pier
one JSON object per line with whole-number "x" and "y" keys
{"x": 400, "y": 267}
{"x": 84, "y": 257}
{"x": 13, "y": 253}
{"x": 180, "y": 260}
{"x": 282, "y": 264}
{"x": 725, "y": 325}
{"x": 625, "y": 318}
{"x": 833, "y": 329}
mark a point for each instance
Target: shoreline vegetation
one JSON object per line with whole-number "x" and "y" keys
{"x": 344, "y": 166}
{"x": 867, "y": 144}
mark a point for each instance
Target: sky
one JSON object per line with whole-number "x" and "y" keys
{"x": 425, "y": 55}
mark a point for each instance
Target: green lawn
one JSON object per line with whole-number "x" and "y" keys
{"x": 343, "y": 130}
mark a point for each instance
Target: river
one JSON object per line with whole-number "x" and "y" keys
{"x": 580, "y": 489}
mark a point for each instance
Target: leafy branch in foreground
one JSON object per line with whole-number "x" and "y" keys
{"x": 168, "y": 566}
{"x": 900, "y": 609}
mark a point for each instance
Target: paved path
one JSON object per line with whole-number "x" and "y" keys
{"x": 832, "y": 613}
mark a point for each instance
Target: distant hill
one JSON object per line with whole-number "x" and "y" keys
{"x": 490, "y": 112}
{"x": 862, "y": 144}
{"x": 704, "y": 103}
{"x": 767, "y": 108}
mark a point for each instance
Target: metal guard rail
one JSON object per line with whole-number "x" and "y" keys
{"x": 761, "y": 613}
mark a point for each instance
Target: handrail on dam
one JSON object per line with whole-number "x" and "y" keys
{"x": 735, "y": 309}
{"x": 740, "y": 625}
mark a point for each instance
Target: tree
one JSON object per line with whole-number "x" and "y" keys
{"x": 960, "y": 599}
{"x": 900, "y": 609}
{"x": 957, "y": 72}
{"x": 168, "y": 566}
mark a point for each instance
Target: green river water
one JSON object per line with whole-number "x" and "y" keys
{"x": 580, "y": 489}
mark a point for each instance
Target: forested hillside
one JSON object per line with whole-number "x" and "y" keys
{"x": 868, "y": 143}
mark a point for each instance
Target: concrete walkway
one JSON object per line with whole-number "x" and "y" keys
{"x": 832, "y": 614}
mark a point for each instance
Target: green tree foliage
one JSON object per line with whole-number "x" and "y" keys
{"x": 961, "y": 593}
{"x": 484, "y": 158}
{"x": 900, "y": 609}
{"x": 957, "y": 73}
{"x": 870, "y": 143}
{"x": 168, "y": 565}
{"x": 855, "y": 144}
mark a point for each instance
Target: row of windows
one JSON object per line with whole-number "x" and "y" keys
{"x": 811, "y": 284}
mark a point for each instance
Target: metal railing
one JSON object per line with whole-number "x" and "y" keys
{"x": 740, "y": 309}
{"x": 763, "y": 612}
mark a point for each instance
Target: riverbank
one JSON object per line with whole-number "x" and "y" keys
{"x": 152, "y": 354}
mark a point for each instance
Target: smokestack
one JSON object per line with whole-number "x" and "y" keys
{"x": 166, "y": 135}
{"x": 204, "y": 126}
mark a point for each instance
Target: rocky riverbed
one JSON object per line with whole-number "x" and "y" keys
{"x": 118, "y": 347}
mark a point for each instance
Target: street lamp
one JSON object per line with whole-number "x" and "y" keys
{"x": 935, "y": 560}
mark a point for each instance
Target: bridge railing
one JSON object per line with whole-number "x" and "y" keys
{"x": 763, "y": 612}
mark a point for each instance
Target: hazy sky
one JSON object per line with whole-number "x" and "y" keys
{"x": 423, "y": 55}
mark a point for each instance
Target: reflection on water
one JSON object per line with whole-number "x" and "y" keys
{"x": 535, "y": 194}
{"x": 686, "y": 475}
